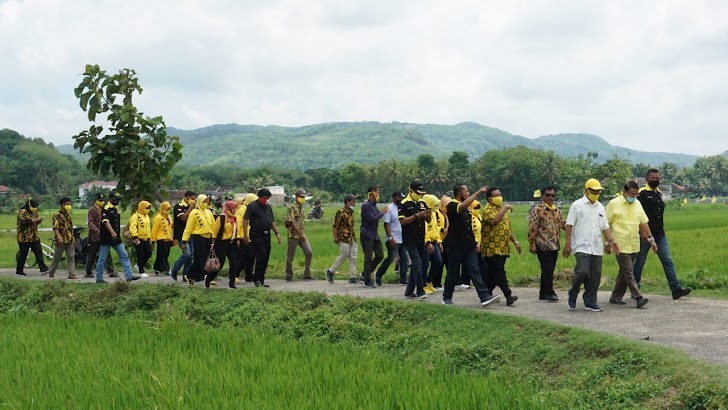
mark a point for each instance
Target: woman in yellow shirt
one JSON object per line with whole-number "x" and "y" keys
{"x": 162, "y": 231}
{"x": 141, "y": 234}
{"x": 246, "y": 259}
{"x": 432, "y": 262}
{"x": 225, "y": 239}
{"x": 198, "y": 231}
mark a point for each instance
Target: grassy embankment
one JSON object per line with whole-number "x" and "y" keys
{"x": 121, "y": 346}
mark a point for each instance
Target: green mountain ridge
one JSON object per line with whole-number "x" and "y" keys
{"x": 333, "y": 145}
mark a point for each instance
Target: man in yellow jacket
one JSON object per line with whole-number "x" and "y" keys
{"x": 141, "y": 234}
{"x": 162, "y": 230}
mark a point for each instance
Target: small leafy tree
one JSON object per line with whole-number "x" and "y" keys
{"x": 135, "y": 150}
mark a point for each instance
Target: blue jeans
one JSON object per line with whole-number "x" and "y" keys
{"x": 433, "y": 263}
{"x": 123, "y": 258}
{"x": 663, "y": 252}
{"x": 392, "y": 253}
{"x": 415, "y": 284}
{"x": 184, "y": 259}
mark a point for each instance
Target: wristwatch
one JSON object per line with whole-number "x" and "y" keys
{"x": 650, "y": 239}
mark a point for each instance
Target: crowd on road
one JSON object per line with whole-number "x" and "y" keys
{"x": 466, "y": 236}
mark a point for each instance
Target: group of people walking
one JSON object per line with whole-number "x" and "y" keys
{"x": 428, "y": 236}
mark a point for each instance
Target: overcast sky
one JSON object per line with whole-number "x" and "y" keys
{"x": 648, "y": 75}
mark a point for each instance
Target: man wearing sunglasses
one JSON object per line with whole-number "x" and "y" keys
{"x": 544, "y": 231}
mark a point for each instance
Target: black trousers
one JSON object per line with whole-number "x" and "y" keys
{"x": 496, "y": 275}
{"x": 246, "y": 261}
{"x": 547, "y": 259}
{"x": 201, "y": 250}
{"x": 261, "y": 253}
{"x": 161, "y": 262}
{"x": 373, "y": 255}
{"x": 23, "y": 256}
{"x": 143, "y": 252}
{"x": 227, "y": 249}
{"x": 93, "y": 253}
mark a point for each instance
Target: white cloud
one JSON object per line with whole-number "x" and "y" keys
{"x": 640, "y": 74}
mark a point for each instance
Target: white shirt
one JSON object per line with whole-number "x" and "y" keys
{"x": 588, "y": 221}
{"x": 392, "y": 218}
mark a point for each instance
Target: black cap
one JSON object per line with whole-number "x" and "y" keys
{"x": 417, "y": 186}
{"x": 100, "y": 195}
{"x": 349, "y": 197}
{"x": 397, "y": 194}
{"x": 189, "y": 193}
{"x": 115, "y": 195}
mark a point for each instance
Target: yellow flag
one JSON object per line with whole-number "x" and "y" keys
{"x": 537, "y": 193}
{"x": 714, "y": 200}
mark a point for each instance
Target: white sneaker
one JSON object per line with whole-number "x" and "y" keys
{"x": 143, "y": 275}
{"x": 461, "y": 287}
{"x": 440, "y": 289}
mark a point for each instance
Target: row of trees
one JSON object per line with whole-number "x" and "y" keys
{"x": 518, "y": 171}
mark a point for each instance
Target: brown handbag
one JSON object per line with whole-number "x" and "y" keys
{"x": 213, "y": 263}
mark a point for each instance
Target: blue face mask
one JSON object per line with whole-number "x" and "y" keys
{"x": 631, "y": 199}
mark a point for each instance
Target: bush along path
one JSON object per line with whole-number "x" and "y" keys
{"x": 569, "y": 367}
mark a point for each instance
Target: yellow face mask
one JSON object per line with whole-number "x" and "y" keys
{"x": 376, "y": 196}
{"x": 67, "y": 208}
{"x": 592, "y": 197}
{"x": 415, "y": 196}
{"x": 497, "y": 201}
{"x": 99, "y": 203}
{"x": 550, "y": 206}
{"x": 300, "y": 200}
{"x": 33, "y": 209}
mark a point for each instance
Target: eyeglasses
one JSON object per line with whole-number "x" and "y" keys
{"x": 549, "y": 195}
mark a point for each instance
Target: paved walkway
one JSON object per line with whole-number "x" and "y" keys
{"x": 698, "y": 326}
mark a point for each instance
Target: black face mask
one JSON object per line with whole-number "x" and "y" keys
{"x": 114, "y": 202}
{"x": 653, "y": 184}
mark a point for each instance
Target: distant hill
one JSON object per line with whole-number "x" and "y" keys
{"x": 333, "y": 145}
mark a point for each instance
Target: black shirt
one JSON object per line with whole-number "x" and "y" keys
{"x": 179, "y": 225}
{"x": 110, "y": 213}
{"x": 654, "y": 208}
{"x": 414, "y": 232}
{"x": 260, "y": 217}
{"x": 460, "y": 232}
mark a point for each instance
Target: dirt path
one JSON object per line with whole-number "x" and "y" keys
{"x": 698, "y": 326}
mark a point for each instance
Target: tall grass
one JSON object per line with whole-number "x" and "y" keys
{"x": 570, "y": 367}
{"x": 75, "y": 362}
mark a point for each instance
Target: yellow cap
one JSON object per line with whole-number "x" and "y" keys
{"x": 593, "y": 184}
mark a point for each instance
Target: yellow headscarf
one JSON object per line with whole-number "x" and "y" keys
{"x": 249, "y": 199}
{"x": 142, "y": 207}
{"x": 431, "y": 201}
{"x": 164, "y": 208}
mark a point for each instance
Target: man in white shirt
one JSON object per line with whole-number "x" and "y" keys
{"x": 393, "y": 240}
{"x": 585, "y": 225}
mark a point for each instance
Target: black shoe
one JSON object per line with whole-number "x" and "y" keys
{"x": 618, "y": 302}
{"x": 173, "y": 275}
{"x": 20, "y": 273}
{"x": 113, "y": 275}
{"x": 680, "y": 292}
{"x": 289, "y": 278}
{"x": 133, "y": 278}
{"x": 101, "y": 281}
{"x": 511, "y": 300}
{"x": 641, "y": 302}
{"x": 378, "y": 280}
{"x": 258, "y": 284}
{"x": 309, "y": 277}
{"x": 88, "y": 275}
{"x": 232, "y": 286}
{"x": 411, "y": 296}
{"x": 329, "y": 275}
{"x": 369, "y": 284}
{"x": 549, "y": 298}
{"x": 353, "y": 280}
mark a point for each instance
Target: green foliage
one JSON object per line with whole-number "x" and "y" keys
{"x": 31, "y": 166}
{"x": 571, "y": 368}
{"x": 136, "y": 150}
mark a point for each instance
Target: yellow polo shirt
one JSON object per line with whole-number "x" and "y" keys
{"x": 625, "y": 219}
